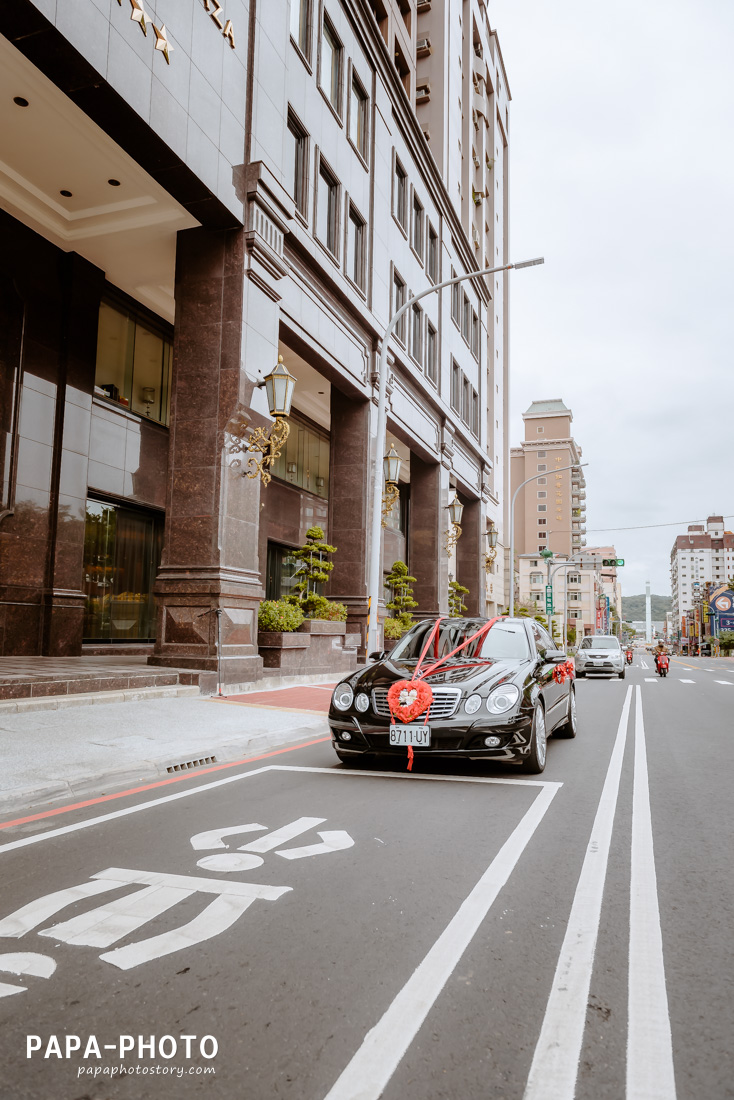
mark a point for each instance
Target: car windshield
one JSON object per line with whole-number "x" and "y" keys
{"x": 505, "y": 641}
{"x": 600, "y": 643}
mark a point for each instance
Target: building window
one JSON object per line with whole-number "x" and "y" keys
{"x": 401, "y": 194}
{"x": 574, "y": 578}
{"x": 542, "y": 481}
{"x": 455, "y": 300}
{"x": 358, "y": 117}
{"x": 296, "y": 160}
{"x": 400, "y": 293}
{"x": 331, "y": 65}
{"x": 417, "y": 227}
{"x": 122, "y": 552}
{"x": 540, "y": 431}
{"x": 282, "y": 572}
{"x": 475, "y": 413}
{"x": 541, "y": 454}
{"x": 465, "y": 316}
{"x": 542, "y": 495}
{"x": 536, "y": 578}
{"x": 542, "y": 523}
{"x": 133, "y": 362}
{"x": 542, "y": 507}
{"x": 542, "y": 466}
{"x": 417, "y": 334}
{"x": 474, "y": 335}
{"x": 355, "y": 248}
{"x": 304, "y": 461}
{"x": 432, "y": 262}
{"x": 327, "y": 205}
{"x": 455, "y": 387}
{"x": 466, "y": 403}
{"x": 299, "y": 24}
{"x": 431, "y": 352}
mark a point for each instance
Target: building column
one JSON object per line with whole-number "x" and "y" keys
{"x": 426, "y": 535}
{"x": 210, "y": 557}
{"x": 469, "y": 561}
{"x": 350, "y": 501}
{"x": 63, "y": 597}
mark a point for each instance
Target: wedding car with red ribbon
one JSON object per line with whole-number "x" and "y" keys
{"x": 482, "y": 689}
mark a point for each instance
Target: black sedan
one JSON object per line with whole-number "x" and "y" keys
{"x": 496, "y": 699}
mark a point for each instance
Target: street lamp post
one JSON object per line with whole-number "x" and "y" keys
{"x": 376, "y": 520}
{"x": 573, "y": 466}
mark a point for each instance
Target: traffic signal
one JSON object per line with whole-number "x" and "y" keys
{"x": 614, "y": 562}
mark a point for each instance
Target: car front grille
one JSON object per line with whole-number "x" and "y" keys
{"x": 445, "y": 702}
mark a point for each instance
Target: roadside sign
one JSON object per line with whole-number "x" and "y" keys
{"x": 549, "y": 599}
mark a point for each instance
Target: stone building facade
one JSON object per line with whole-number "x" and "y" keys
{"x": 192, "y": 189}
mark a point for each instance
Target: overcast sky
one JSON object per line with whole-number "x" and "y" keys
{"x": 622, "y": 176}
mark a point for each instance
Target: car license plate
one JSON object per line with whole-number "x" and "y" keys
{"x": 419, "y": 735}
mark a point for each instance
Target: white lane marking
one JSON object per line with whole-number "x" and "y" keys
{"x": 64, "y": 830}
{"x": 688, "y": 681}
{"x": 650, "y": 1073}
{"x": 727, "y": 682}
{"x": 335, "y": 841}
{"x": 555, "y": 1062}
{"x": 109, "y": 923}
{"x": 644, "y": 664}
{"x": 369, "y": 1071}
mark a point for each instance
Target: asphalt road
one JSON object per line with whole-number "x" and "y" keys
{"x": 457, "y": 932}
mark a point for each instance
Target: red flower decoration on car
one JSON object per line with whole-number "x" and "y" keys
{"x": 563, "y": 671}
{"x": 407, "y": 699}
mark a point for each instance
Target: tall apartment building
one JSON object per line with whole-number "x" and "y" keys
{"x": 703, "y": 556}
{"x": 550, "y": 512}
{"x": 190, "y": 191}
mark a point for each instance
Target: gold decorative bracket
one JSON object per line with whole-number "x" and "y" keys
{"x": 489, "y": 560}
{"x": 269, "y": 445}
{"x": 452, "y": 537}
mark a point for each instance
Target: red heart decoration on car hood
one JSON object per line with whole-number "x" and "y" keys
{"x": 407, "y": 699}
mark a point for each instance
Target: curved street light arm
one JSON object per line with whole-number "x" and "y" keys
{"x": 376, "y": 519}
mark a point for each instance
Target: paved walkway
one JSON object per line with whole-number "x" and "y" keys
{"x": 55, "y": 756}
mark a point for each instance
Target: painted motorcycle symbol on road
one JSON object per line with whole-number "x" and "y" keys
{"x": 160, "y": 891}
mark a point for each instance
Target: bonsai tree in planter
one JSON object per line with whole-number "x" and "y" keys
{"x": 402, "y": 602}
{"x": 314, "y": 570}
{"x": 457, "y": 607}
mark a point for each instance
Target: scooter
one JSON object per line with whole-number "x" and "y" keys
{"x": 662, "y": 662}
{"x": 629, "y": 656}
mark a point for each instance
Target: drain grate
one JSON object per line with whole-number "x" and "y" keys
{"x": 188, "y": 764}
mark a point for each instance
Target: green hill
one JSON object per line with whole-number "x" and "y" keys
{"x": 633, "y": 607}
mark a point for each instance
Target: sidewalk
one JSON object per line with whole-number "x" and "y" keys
{"x": 51, "y": 757}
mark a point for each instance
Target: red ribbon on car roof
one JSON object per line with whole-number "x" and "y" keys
{"x": 408, "y": 699}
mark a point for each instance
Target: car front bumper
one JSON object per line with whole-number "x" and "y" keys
{"x": 602, "y": 668}
{"x": 458, "y": 737}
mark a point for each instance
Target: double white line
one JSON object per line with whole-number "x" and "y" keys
{"x": 649, "y": 1044}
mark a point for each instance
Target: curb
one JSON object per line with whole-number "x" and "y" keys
{"x": 95, "y": 698}
{"x": 46, "y": 797}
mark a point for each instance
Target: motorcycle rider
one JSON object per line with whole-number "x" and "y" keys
{"x": 658, "y": 651}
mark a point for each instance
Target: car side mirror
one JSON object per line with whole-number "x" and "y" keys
{"x": 555, "y": 656}
{"x": 378, "y": 655}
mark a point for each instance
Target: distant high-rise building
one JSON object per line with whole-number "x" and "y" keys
{"x": 550, "y": 512}
{"x": 701, "y": 557}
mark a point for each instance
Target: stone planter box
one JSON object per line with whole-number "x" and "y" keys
{"x": 316, "y": 648}
{"x": 321, "y": 626}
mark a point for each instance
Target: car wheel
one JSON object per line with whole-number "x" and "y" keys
{"x": 358, "y": 760}
{"x": 568, "y": 729}
{"x": 534, "y": 762}
{"x": 622, "y": 674}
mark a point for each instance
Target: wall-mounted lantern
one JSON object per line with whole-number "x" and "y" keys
{"x": 279, "y": 386}
{"x": 455, "y": 510}
{"x": 391, "y": 470}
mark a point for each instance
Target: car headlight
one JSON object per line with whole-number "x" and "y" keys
{"x": 342, "y": 697}
{"x": 362, "y": 702}
{"x": 473, "y": 703}
{"x": 502, "y": 699}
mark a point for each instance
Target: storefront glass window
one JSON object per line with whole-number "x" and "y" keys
{"x": 133, "y": 363}
{"x": 282, "y": 572}
{"x": 304, "y": 460}
{"x": 122, "y": 551}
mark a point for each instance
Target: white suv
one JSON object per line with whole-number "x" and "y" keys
{"x": 600, "y": 653}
